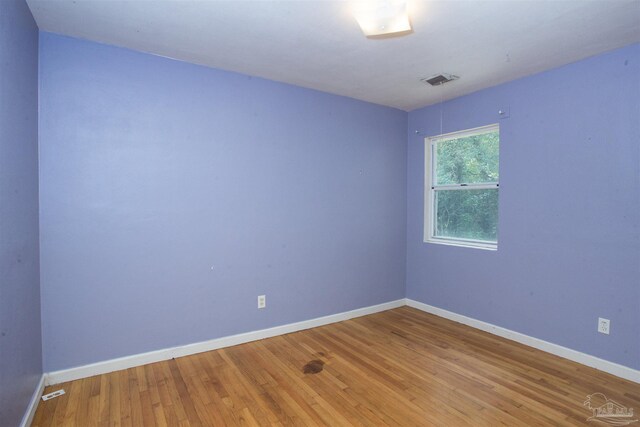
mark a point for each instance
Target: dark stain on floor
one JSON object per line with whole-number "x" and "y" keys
{"x": 313, "y": 367}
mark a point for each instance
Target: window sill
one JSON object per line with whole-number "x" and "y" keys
{"x": 463, "y": 244}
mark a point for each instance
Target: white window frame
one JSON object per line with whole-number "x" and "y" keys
{"x": 430, "y": 190}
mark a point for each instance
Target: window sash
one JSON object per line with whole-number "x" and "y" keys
{"x": 433, "y": 141}
{"x": 482, "y": 186}
{"x": 489, "y": 244}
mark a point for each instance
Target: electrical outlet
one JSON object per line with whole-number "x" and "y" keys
{"x": 262, "y": 301}
{"x": 603, "y": 325}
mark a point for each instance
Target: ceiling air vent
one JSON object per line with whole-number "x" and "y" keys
{"x": 439, "y": 79}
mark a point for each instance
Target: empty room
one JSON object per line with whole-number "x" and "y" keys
{"x": 319, "y": 213}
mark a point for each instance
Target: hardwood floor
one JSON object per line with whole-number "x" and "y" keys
{"x": 401, "y": 367}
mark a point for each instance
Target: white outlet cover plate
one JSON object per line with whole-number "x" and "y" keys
{"x": 603, "y": 325}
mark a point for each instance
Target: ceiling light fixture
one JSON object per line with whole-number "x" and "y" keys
{"x": 382, "y": 17}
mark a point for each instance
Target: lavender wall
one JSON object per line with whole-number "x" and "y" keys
{"x": 172, "y": 195}
{"x": 153, "y": 171}
{"x": 569, "y": 244}
{"x": 20, "y": 339}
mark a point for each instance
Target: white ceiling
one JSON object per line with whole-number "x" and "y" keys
{"x": 318, "y": 44}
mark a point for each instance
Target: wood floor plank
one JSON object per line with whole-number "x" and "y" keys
{"x": 400, "y": 367}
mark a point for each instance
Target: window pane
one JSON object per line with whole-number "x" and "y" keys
{"x": 467, "y": 214}
{"x": 467, "y": 160}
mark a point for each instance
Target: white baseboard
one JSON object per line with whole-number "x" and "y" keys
{"x": 214, "y": 344}
{"x": 27, "y": 419}
{"x": 567, "y": 353}
{"x": 107, "y": 366}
